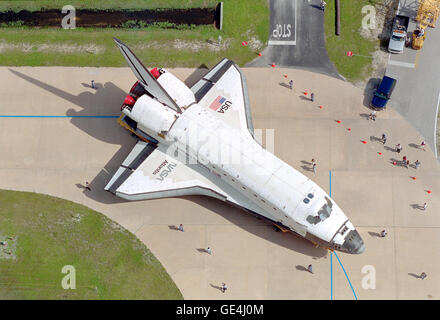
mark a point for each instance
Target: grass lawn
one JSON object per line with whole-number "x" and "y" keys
{"x": 355, "y": 67}
{"x": 155, "y": 46}
{"x": 30, "y": 5}
{"x": 46, "y": 233}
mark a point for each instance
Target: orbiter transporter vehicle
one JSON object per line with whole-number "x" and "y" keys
{"x": 200, "y": 141}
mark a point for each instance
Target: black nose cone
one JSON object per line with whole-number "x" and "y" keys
{"x": 353, "y": 243}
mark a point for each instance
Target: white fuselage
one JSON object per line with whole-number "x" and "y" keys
{"x": 284, "y": 195}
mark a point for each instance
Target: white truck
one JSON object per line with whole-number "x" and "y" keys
{"x": 398, "y": 35}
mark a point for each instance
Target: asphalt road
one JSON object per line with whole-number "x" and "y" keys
{"x": 417, "y": 93}
{"x": 297, "y": 38}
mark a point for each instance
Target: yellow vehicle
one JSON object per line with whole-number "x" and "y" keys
{"x": 417, "y": 41}
{"x": 427, "y": 15}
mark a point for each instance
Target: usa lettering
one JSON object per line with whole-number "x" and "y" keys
{"x": 225, "y": 106}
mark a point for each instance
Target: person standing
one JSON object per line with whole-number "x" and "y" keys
{"x": 93, "y": 84}
{"x": 384, "y": 139}
{"x": 312, "y": 97}
{"x": 422, "y": 145}
{"x": 322, "y": 5}
{"x": 425, "y": 205}
{"x": 417, "y": 164}
{"x": 383, "y": 233}
{"x": 423, "y": 275}
{"x": 314, "y": 165}
{"x": 224, "y": 287}
{"x": 181, "y": 227}
{"x": 310, "y": 268}
{"x": 291, "y": 84}
{"x": 88, "y": 186}
{"x": 373, "y": 115}
{"x": 398, "y": 148}
{"x": 209, "y": 250}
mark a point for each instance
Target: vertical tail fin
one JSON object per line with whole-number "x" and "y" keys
{"x": 145, "y": 77}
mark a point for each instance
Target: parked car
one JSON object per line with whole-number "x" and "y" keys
{"x": 383, "y": 93}
{"x": 398, "y": 34}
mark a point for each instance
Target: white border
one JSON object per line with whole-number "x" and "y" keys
{"x": 435, "y": 126}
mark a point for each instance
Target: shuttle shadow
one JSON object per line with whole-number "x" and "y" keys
{"x": 249, "y": 223}
{"x": 105, "y": 100}
{"x": 196, "y": 75}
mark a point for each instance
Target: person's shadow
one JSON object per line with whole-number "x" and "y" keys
{"x": 307, "y": 166}
{"x": 285, "y": 85}
{"x": 216, "y": 287}
{"x": 301, "y": 268}
{"x": 374, "y": 234}
{"x": 417, "y": 276}
{"x": 316, "y": 6}
{"x": 416, "y": 206}
{"x": 397, "y": 162}
{"x": 389, "y": 149}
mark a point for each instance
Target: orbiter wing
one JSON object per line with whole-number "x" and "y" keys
{"x": 226, "y": 82}
{"x": 152, "y": 172}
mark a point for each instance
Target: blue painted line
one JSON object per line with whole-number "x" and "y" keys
{"x": 349, "y": 282}
{"x": 28, "y": 116}
{"x": 331, "y": 276}
{"x": 331, "y": 254}
{"x": 330, "y": 183}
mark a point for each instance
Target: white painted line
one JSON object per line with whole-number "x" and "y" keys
{"x": 401, "y": 64}
{"x": 281, "y": 43}
{"x": 435, "y": 126}
{"x": 295, "y": 21}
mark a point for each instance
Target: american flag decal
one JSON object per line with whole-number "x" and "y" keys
{"x": 217, "y": 103}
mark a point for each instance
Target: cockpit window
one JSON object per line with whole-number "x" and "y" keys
{"x": 323, "y": 213}
{"x": 310, "y": 195}
{"x": 306, "y": 200}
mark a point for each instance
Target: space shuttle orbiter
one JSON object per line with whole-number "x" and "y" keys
{"x": 199, "y": 141}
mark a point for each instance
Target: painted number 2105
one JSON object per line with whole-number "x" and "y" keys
{"x": 282, "y": 31}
